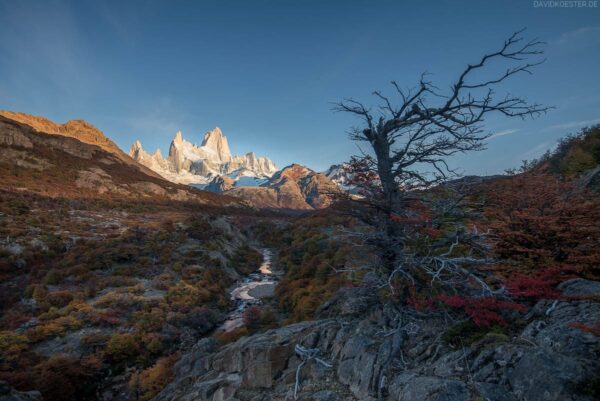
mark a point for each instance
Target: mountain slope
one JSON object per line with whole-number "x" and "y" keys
{"x": 294, "y": 187}
{"x": 77, "y": 129}
{"x": 65, "y": 166}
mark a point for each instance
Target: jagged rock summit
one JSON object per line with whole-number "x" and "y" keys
{"x": 254, "y": 179}
{"x": 187, "y": 163}
{"x": 216, "y": 141}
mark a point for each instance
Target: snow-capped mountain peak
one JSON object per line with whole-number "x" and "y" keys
{"x": 192, "y": 164}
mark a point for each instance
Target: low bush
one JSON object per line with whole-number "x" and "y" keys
{"x": 146, "y": 384}
{"x": 122, "y": 347}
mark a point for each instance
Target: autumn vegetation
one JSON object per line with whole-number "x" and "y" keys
{"x": 310, "y": 253}
{"x": 510, "y": 239}
{"x": 90, "y": 291}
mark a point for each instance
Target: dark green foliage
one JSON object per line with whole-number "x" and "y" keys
{"x": 19, "y": 207}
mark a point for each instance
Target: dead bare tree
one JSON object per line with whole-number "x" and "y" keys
{"x": 412, "y": 135}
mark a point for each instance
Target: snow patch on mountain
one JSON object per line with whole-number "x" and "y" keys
{"x": 341, "y": 175}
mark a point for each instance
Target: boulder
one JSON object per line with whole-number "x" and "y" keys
{"x": 324, "y": 395}
{"x": 542, "y": 375}
{"x": 580, "y": 288}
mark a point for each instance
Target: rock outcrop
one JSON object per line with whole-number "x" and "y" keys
{"x": 220, "y": 184}
{"x": 341, "y": 175}
{"x": 383, "y": 355}
{"x": 187, "y": 163}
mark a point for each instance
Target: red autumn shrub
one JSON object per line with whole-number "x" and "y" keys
{"x": 539, "y": 284}
{"x": 484, "y": 311}
{"x": 546, "y": 231}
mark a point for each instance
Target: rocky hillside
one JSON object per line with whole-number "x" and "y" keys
{"x": 187, "y": 163}
{"x": 361, "y": 350}
{"x": 77, "y": 129}
{"x": 98, "y": 297}
{"x": 76, "y": 160}
{"x": 294, "y": 187}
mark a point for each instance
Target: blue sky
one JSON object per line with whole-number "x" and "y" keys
{"x": 266, "y": 72}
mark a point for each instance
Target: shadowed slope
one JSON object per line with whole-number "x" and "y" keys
{"x": 67, "y": 166}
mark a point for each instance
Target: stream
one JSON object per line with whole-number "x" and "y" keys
{"x": 249, "y": 291}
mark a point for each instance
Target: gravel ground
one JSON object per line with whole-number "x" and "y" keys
{"x": 262, "y": 291}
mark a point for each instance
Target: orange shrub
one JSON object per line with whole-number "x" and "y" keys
{"x": 231, "y": 336}
{"x": 148, "y": 383}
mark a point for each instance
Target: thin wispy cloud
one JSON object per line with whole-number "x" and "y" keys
{"x": 536, "y": 150}
{"x": 572, "y": 124}
{"x": 503, "y": 133}
{"x": 585, "y": 31}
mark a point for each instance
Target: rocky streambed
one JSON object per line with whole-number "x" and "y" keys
{"x": 250, "y": 291}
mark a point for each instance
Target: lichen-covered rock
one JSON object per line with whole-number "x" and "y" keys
{"x": 410, "y": 387}
{"x": 324, "y": 395}
{"x": 580, "y": 288}
{"x": 542, "y": 375}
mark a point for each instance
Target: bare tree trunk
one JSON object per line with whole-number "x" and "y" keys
{"x": 391, "y": 200}
{"x": 427, "y": 127}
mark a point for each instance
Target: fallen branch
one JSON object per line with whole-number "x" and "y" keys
{"x": 306, "y": 354}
